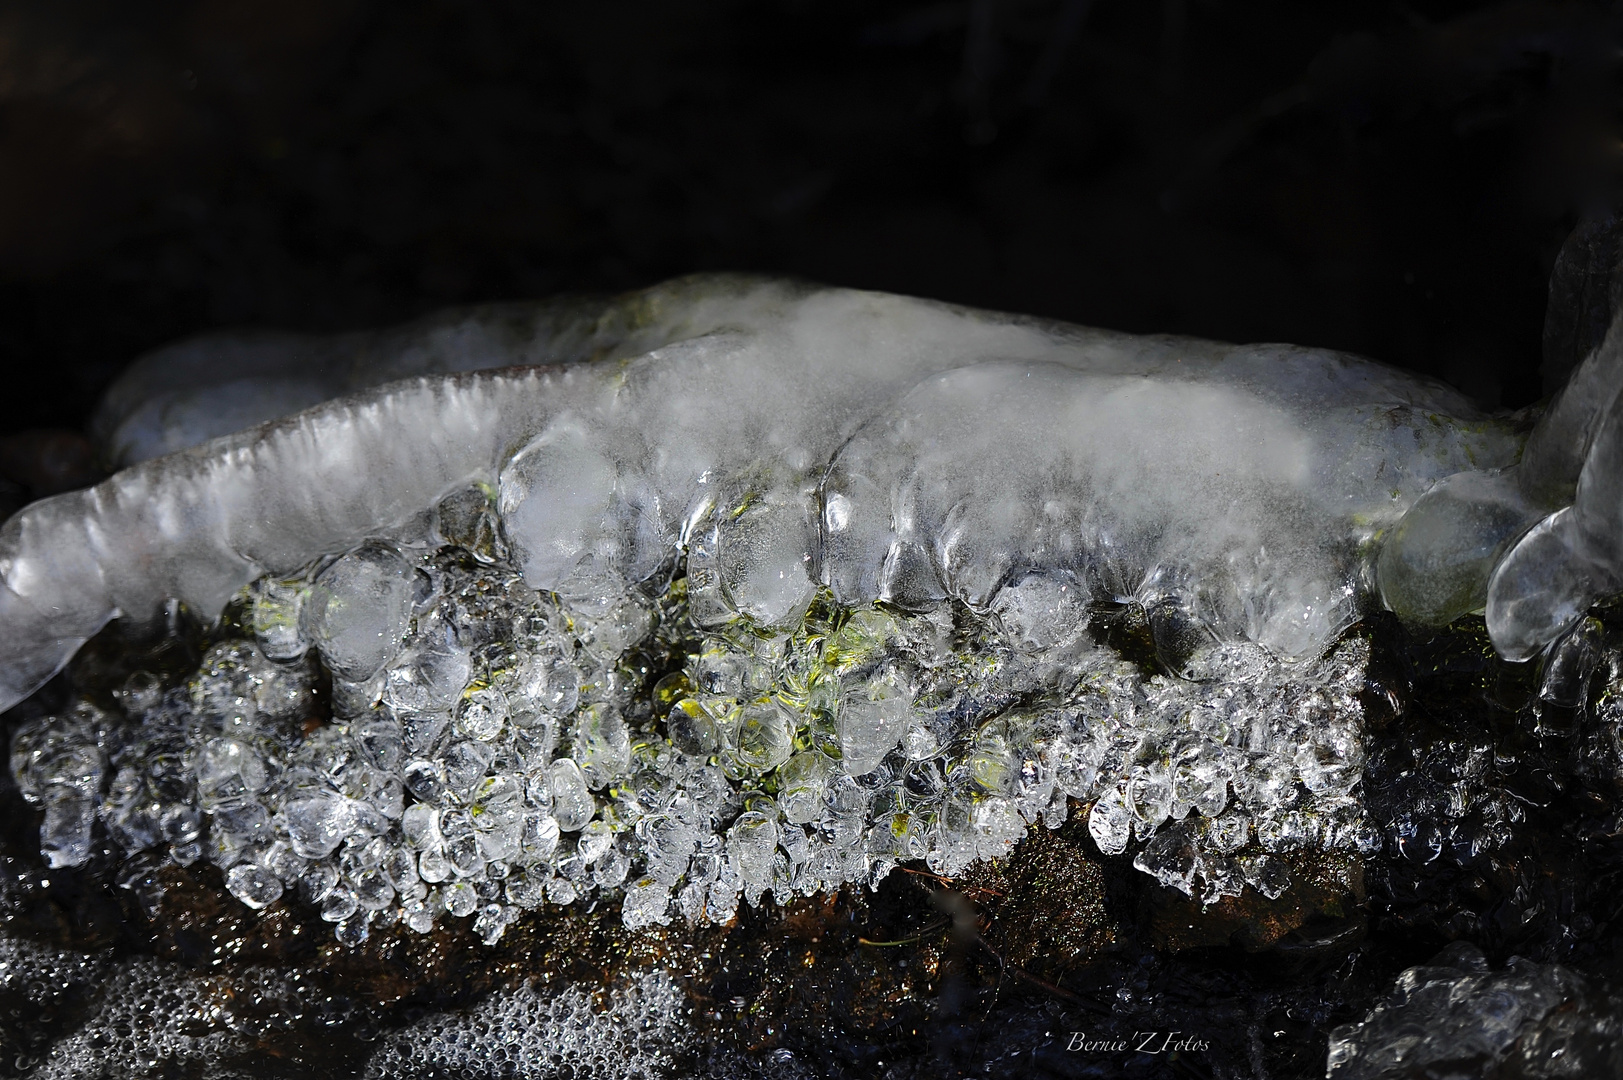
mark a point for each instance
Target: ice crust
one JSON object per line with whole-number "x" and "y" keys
{"x": 1245, "y": 484}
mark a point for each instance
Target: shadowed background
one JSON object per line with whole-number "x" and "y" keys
{"x": 1394, "y": 179}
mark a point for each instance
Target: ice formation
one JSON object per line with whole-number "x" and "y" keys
{"x": 762, "y": 588}
{"x": 1455, "y": 1016}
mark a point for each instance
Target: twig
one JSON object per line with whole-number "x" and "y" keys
{"x": 932, "y": 928}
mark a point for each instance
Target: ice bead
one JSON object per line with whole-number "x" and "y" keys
{"x": 483, "y": 713}
{"x": 318, "y": 824}
{"x": 358, "y": 608}
{"x": 762, "y": 552}
{"x": 750, "y": 843}
{"x": 254, "y": 885}
{"x": 546, "y": 684}
{"x": 872, "y": 718}
{"x": 1110, "y": 822}
{"x": 764, "y": 737}
{"x": 558, "y": 501}
{"x": 277, "y": 618}
{"x": 647, "y": 903}
{"x": 431, "y": 676}
{"x": 572, "y": 803}
{"x": 1541, "y": 588}
{"x": 1435, "y": 563}
{"x": 1042, "y": 611}
{"x": 602, "y": 745}
{"x": 800, "y": 792}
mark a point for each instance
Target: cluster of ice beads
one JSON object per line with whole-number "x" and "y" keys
{"x": 492, "y": 748}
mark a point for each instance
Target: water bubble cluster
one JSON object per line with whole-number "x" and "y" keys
{"x": 492, "y": 748}
{"x": 143, "y": 1015}
{"x": 533, "y": 1032}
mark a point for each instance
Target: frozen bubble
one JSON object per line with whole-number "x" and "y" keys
{"x": 418, "y": 915}
{"x": 318, "y": 881}
{"x": 58, "y": 751}
{"x": 358, "y": 609}
{"x": 354, "y": 930}
{"x": 237, "y": 683}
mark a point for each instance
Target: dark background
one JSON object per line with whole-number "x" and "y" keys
{"x": 1391, "y": 178}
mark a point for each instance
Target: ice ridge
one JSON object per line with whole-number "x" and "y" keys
{"x": 1243, "y": 484}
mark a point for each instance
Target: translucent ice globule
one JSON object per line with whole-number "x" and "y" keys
{"x": 891, "y": 448}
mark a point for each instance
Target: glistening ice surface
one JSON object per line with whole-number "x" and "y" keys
{"x": 764, "y": 595}
{"x": 493, "y": 748}
{"x": 1248, "y": 485}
